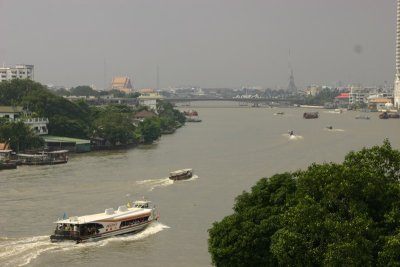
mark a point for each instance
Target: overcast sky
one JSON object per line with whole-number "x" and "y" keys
{"x": 206, "y": 43}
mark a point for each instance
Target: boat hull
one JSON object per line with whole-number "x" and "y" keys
{"x": 181, "y": 175}
{"x": 50, "y": 162}
{"x": 8, "y": 165}
{"x": 68, "y": 236}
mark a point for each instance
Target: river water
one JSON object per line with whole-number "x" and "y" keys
{"x": 229, "y": 151}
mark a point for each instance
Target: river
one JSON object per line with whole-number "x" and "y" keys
{"x": 229, "y": 151}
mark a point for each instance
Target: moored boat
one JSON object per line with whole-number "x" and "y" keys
{"x": 193, "y": 119}
{"x": 7, "y": 165}
{"x": 190, "y": 113}
{"x": 7, "y": 159}
{"x": 44, "y": 158}
{"x": 181, "y": 174}
{"x": 191, "y": 116}
{"x": 127, "y": 219}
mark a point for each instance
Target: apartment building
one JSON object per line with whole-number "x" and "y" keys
{"x": 20, "y": 71}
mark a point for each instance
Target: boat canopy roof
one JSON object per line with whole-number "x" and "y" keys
{"x": 58, "y": 152}
{"x": 180, "y": 171}
{"x": 31, "y": 155}
{"x": 123, "y": 212}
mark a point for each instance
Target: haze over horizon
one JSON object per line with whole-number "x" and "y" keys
{"x": 206, "y": 43}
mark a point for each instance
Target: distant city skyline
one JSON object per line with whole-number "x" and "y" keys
{"x": 206, "y": 43}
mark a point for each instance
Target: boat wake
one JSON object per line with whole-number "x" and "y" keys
{"x": 21, "y": 251}
{"x": 334, "y": 130}
{"x": 194, "y": 177}
{"x": 151, "y": 184}
{"x": 293, "y": 136}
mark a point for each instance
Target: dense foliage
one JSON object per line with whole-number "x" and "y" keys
{"x": 169, "y": 117}
{"x": 77, "y": 119}
{"x": 114, "y": 124}
{"x": 19, "y": 136}
{"x": 324, "y": 96}
{"x": 66, "y": 118}
{"x": 328, "y": 215}
{"x": 83, "y": 90}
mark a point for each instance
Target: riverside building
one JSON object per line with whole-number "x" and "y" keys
{"x": 20, "y": 71}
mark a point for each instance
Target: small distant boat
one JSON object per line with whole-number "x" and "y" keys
{"x": 181, "y": 174}
{"x": 128, "y": 219}
{"x": 279, "y": 113}
{"x": 389, "y": 115}
{"x": 190, "y": 113}
{"x": 191, "y": 116}
{"x": 44, "y": 158}
{"x": 310, "y": 115}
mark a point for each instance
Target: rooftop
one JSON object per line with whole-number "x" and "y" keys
{"x": 11, "y": 109}
{"x": 61, "y": 139}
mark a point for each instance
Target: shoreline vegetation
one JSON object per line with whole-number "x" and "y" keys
{"x": 115, "y": 126}
{"x": 327, "y": 215}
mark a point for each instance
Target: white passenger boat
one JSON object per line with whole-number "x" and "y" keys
{"x": 128, "y": 219}
{"x": 181, "y": 174}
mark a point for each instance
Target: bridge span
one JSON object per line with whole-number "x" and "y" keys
{"x": 255, "y": 102}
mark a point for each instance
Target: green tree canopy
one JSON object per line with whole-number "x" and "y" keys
{"x": 83, "y": 90}
{"x": 62, "y": 92}
{"x": 115, "y": 127}
{"x": 19, "y": 136}
{"x": 149, "y": 130}
{"x": 166, "y": 110}
{"x": 324, "y": 96}
{"x": 61, "y": 113}
{"x": 328, "y": 215}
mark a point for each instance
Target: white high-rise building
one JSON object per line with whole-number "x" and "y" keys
{"x": 21, "y": 71}
{"x": 396, "y": 92}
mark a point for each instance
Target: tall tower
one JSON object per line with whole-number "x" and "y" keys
{"x": 292, "y": 87}
{"x": 397, "y": 78}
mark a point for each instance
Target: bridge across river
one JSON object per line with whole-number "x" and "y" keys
{"x": 242, "y": 101}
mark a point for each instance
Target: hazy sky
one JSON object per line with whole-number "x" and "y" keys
{"x": 207, "y": 43}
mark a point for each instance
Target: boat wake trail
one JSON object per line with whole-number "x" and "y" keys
{"x": 293, "y": 136}
{"x": 335, "y": 130}
{"x": 152, "y": 229}
{"x": 150, "y": 184}
{"x": 21, "y": 251}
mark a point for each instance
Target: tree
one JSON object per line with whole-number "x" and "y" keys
{"x": 115, "y": 127}
{"x": 19, "y": 136}
{"x": 65, "y": 118}
{"x": 325, "y": 95}
{"x": 62, "y": 92}
{"x": 243, "y": 239}
{"x": 83, "y": 90}
{"x": 166, "y": 110}
{"x": 149, "y": 130}
{"x": 344, "y": 214}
